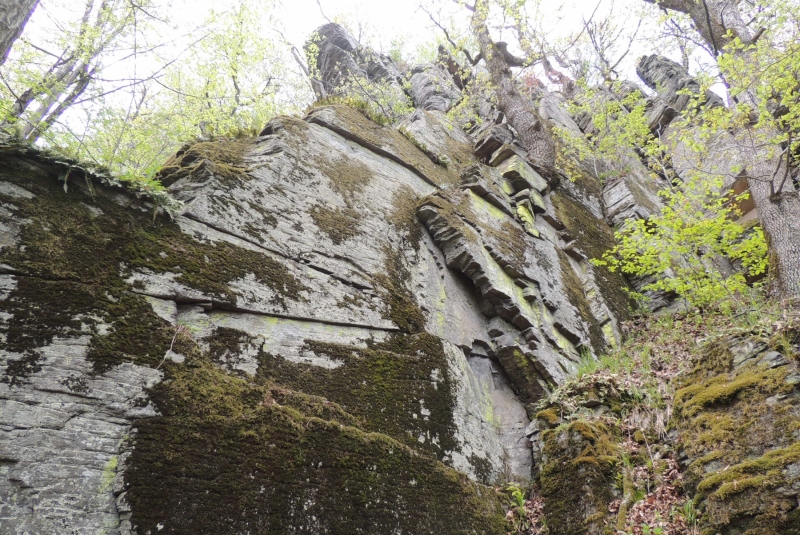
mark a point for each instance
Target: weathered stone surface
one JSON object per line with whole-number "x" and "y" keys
{"x": 492, "y": 139}
{"x": 521, "y": 175}
{"x": 361, "y": 317}
{"x": 340, "y": 58}
{"x": 339, "y": 293}
{"x": 432, "y": 88}
{"x": 463, "y": 226}
{"x": 633, "y": 195}
{"x": 744, "y": 395}
{"x": 659, "y": 114}
{"x": 61, "y": 438}
{"x": 441, "y": 140}
{"x": 385, "y": 142}
{"x": 673, "y": 83}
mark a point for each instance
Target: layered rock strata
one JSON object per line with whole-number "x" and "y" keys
{"x": 343, "y": 328}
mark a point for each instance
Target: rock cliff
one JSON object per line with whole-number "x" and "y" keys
{"x": 341, "y": 327}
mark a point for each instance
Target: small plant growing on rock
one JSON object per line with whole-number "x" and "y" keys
{"x": 688, "y": 514}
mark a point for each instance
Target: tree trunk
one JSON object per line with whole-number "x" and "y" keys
{"x": 776, "y": 201}
{"x": 712, "y": 19}
{"x": 13, "y": 17}
{"x": 44, "y": 117}
{"x": 778, "y": 206}
{"x": 533, "y": 132}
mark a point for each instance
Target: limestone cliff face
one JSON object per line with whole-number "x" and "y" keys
{"x": 343, "y": 328}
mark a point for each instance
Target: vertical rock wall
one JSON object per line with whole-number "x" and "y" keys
{"x": 344, "y": 329}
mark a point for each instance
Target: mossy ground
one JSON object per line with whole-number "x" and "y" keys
{"x": 736, "y": 429}
{"x": 740, "y": 428}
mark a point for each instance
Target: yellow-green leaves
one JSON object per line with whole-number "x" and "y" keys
{"x": 618, "y": 128}
{"x": 686, "y": 246}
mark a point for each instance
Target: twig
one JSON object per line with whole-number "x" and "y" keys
{"x": 178, "y": 329}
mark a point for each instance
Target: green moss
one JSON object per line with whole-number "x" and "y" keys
{"x": 549, "y": 417}
{"x": 208, "y": 267}
{"x": 340, "y": 224}
{"x": 224, "y": 158}
{"x": 137, "y": 335}
{"x": 387, "y": 139}
{"x": 347, "y": 176}
{"x": 738, "y": 442}
{"x": 593, "y": 237}
{"x": 403, "y": 309}
{"x": 291, "y": 463}
{"x": 313, "y": 406}
{"x": 361, "y": 106}
{"x": 690, "y": 400}
{"x": 400, "y": 387}
{"x": 577, "y": 477}
{"x": 750, "y": 486}
{"x": 69, "y": 260}
{"x": 404, "y": 214}
{"x": 577, "y": 297}
{"x": 225, "y": 345}
{"x": 73, "y": 258}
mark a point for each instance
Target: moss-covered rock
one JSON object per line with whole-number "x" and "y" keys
{"x": 400, "y": 387}
{"x": 592, "y": 238}
{"x": 223, "y": 158}
{"x": 228, "y": 456}
{"x": 73, "y": 258}
{"x": 339, "y": 224}
{"x": 739, "y": 428}
{"x": 577, "y": 475}
{"x": 383, "y": 140}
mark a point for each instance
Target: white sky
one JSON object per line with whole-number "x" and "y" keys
{"x": 393, "y": 19}
{"x": 386, "y": 21}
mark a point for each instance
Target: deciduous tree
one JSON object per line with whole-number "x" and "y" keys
{"x": 759, "y": 58}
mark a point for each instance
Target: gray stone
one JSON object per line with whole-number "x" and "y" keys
{"x": 432, "y": 88}
{"x": 358, "y": 216}
{"x": 674, "y": 85}
{"x": 521, "y": 175}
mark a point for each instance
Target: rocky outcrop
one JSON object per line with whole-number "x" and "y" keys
{"x": 270, "y": 272}
{"x": 339, "y": 327}
{"x": 727, "y": 463}
{"x": 432, "y": 88}
{"x": 721, "y": 154}
{"x": 338, "y": 59}
{"x": 294, "y": 314}
{"x": 743, "y": 395}
{"x": 675, "y": 86}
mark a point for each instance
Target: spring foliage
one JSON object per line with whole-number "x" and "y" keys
{"x": 694, "y": 232}
{"x": 227, "y": 81}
